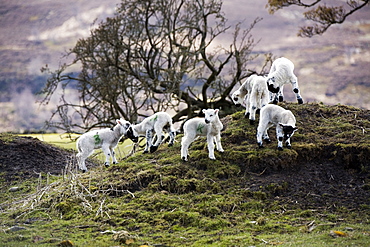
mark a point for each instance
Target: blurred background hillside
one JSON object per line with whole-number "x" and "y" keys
{"x": 332, "y": 68}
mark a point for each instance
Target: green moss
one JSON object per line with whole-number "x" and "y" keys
{"x": 7, "y": 137}
{"x": 165, "y": 201}
{"x": 210, "y": 224}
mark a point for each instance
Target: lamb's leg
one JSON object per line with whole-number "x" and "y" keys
{"x": 252, "y": 108}
{"x": 106, "y": 151}
{"x": 281, "y": 94}
{"x": 172, "y": 136}
{"x": 81, "y": 162}
{"x": 259, "y": 101}
{"x": 158, "y": 132}
{"x": 185, "y": 143}
{"x": 271, "y": 97}
{"x": 294, "y": 82}
{"x": 275, "y": 98}
{"x": 262, "y": 134}
{"x": 260, "y": 131}
{"x": 287, "y": 143}
{"x": 113, "y": 155}
{"x": 265, "y": 135}
{"x": 280, "y": 137}
{"x": 148, "y": 136}
{"x": 247, "y": 105}
{"x": 211, "y": 147}
{"x": 265, "y": 99}
{"x": 218, "y": 143}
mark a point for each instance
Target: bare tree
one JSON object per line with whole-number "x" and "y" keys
{"x": 322, "y": 15}
{"x": 153, "y": 56}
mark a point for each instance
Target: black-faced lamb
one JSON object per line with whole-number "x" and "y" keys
{"x": 255, "y": 94}
{"x": 281, "y": 73}
{"x": 154, "y": 124}
{"x": 106, "y": 139}
{"x": 209, "y": 126}
{"x": 284, "y": 121}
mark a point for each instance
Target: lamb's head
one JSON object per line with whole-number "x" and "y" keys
{"x": 132, "y": 134}
{"x": 237, "y": 98}
{"x": 288, "y": 130}
{"x": 123, "y": 126}
{"x": 210, "y": 115}
{"x": 272, "y": 86}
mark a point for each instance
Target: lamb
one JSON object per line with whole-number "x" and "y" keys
{"x": 209, "y": 126}
{"x": 281, "y": 73}
{"x": 284, "y": 121}
{"x": 156, "y": 123}
{"x": 106, "y": 139}
{"x": 255, "y": 91}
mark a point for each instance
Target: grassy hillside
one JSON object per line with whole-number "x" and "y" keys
{"x": 315, "y": 194}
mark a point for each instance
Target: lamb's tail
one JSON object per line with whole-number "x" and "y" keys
{"x": 79, "y": 149}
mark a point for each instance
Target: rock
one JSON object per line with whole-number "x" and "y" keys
{"x": 13, "y": 189}
{"x": 16, "y": 228}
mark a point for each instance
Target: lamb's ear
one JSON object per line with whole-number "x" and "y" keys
{"x": 216, "y": 111}
{"x": 281, "y": 125}
{"x": 204, "y": 110}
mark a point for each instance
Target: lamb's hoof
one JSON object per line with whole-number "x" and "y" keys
{"x": 258, "y": 111}
{"x": 170, "y": 144}
{"x": 280, "y": 148}
{"x": 275, "y": 102}
{"x": 153, "y": 149}
{"x": 184, "y": 158}
{"x": 221, "y": 151}
{"x": 267, "y": 140}
{"x": 247, "y": 115}
{"x": 145, "y": 152}
{"x": 281, "y": 98}
{"x": 289, "y": 146}
{"x": 252, "y": 122}
{"x": 212, "y": 158}
{"x": 300, "y": 101}
{"x": 106, "y": 164}
{"x": 83, "y": 171}
{"x": 260, "y": 145}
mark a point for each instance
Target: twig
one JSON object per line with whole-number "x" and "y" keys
{"x": 262, "y": 172}
{"x": 264, "y": 241}
{"x": 100, "y": 209}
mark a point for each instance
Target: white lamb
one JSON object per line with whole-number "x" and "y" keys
{"x": 106, "y": 139}
{"x": 209, "y": 126}
{"x": 254, "y": 91}
{"x": 154, "y": 124}
{"x": 281, "y": 73}
{"x": 284, "y": 121}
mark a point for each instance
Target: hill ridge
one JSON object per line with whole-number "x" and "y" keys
{"x": 246, "y": 194}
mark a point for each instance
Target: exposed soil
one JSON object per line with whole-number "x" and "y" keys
{"x": 26, "y": 157}
{"x": 316, "y": 185}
